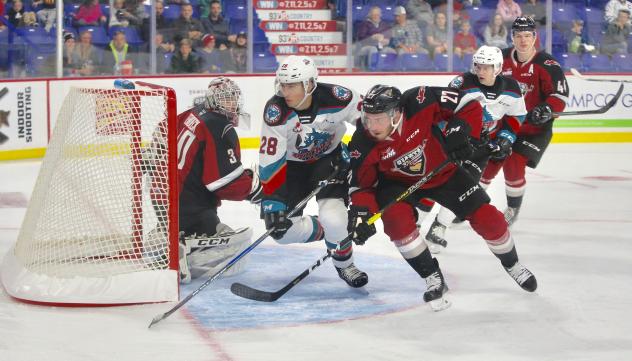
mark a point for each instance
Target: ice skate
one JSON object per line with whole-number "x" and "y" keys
{"x": 353, "y": 276}
{"x": 511, "y": 215}
{"x": 523, "y": 277}
{"x": 436, "y": 289}
{"x": 435, "y": 237}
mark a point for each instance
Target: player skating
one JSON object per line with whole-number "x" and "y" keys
{"x": 503, "y": 113}
{"x": 545, "y": 92}
{"x": 300, "y": 146}
{"x": 396, "y": 143}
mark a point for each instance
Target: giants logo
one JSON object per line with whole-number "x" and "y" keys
{"x": 412, "y": 163}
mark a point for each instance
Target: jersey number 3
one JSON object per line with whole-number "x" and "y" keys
{"x": 268, "y": 145}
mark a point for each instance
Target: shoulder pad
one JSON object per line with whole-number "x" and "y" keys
{"x": 333, "y": 93}
{"x": 457, "y": 82}
{"x": 275, "y": 111}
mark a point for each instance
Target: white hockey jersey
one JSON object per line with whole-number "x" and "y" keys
{"x": 304, "y": 136}
{"x": 503, "y": 103}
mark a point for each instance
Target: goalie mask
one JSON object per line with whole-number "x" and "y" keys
{"x": 224, "y": 96}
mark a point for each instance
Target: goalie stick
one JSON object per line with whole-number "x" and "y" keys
{"x": 254, "y": 294}
{"x": 296, "y": 209}
{"x": 601, "y": 110}
{"x": 583, "y": 77}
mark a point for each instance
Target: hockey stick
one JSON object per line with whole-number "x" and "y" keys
{"x": 583, "y": 77}
{"x": 254, "y": 294}
{"x": 297, "y": 208}
{"x": 601, "y": 110}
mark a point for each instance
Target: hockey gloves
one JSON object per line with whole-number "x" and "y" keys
{"x": 359, "y": 230}
{"x": 541, "y": 114}
{"x": 457, "y": 143}
{"x": 256, "y": 191}
{"x": 275, "y": 216}
{"x": 501, "y": 145}
{"x": 342, "y": 162}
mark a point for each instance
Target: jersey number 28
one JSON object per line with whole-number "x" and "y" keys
{"x": 268, "y": 145}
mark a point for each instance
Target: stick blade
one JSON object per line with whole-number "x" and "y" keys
{"x": 157, "y": 319}
{"x": 576, "y": 73}
{"x": 250, "y": 293}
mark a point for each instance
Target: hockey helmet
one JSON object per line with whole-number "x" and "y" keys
{"x": 297, "y": 69}
{"x": 488, "y": 55}
{"x": 382, "y": 99}
{"x": 224, "y": 96}
{"x": 523, "y": 23}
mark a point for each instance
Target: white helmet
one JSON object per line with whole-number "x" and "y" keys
{"x": 224, "y": 96}
{"x": 489, "y": 55}
{"x": 295, "y": 69}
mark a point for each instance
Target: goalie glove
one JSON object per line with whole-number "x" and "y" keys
{"x": 359, "y": 230}
{"x": 256, "y": 191}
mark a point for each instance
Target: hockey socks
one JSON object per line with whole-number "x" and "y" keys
{"x": 428, "y": 268}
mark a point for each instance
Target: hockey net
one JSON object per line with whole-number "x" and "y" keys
{"x": 101, "y": 225}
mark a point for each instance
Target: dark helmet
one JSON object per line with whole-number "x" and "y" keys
{"x": 523, "y": 23}
{"x": 381, "y": 99}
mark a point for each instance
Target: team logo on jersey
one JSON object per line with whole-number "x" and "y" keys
{"x": 421, "y": 94}
{"x": 507, "y": 72}
{"x": 456, "y": 82}
{"x": 310, "y": 145}
{"x": 355, "y": 154}
{"x": 273, "y": 114}
{"x": 523, "y": 88}
{"x": 411, "y": 163}
{"x": 341, "y": 93}
{"x": 551, "y": 62}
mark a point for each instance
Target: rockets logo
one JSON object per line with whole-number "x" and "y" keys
{"x": 456, "y": 82}
{"x": 273, "y": 114}
{"x": 421, "y": 95}
{"x": 551, "y": 62}
{"x": 341, "y": 93}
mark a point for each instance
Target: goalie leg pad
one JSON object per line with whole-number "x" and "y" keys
{"x": 209, "y": 254}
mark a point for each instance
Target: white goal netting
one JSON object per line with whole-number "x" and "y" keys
{"x": 99, "y": 227}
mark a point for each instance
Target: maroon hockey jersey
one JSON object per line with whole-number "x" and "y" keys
{"x": 415, "y": 148}
{"x": 541, "y": 79}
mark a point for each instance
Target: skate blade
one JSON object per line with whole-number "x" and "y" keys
{"x": 440, "y": 304}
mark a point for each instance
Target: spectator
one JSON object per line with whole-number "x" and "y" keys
{"x": 205, "y": 8}
{"x": 578, "y": 40}
{"x": 48, "y": 14}
{"x": 184, "y": 61}
{"x": 210, "y": 58}
{"x": 509, "y": 10}
{"x": 163, "y": 25}
{"x": 89, "y": 14}
{"x": 237, "y": 55}
{"x": 215, "y": 24}
{"x": 534, "y": 10}
{"x": 373, "y": 36}
{"x": 86, "y": 56}
{"x": 495, "y": 33}
{"x": 131, "y": 14}
{"x": 437, "y": 35}
{"x": 119, "y": 57}
{"x": 70, "y": 67}
{"x": 115, "y": 7}
{"x": 29, "y": 19}
{"x": 163, "y": 48}
{"x": 615, "y": 41}
{"x": 420, "y": 11}
{"x": 14, "y": 15}
{"x": 464, "y": 40}
{"x": 186, "y": 27}
{"x": 407, "y": 37}
{"x": 612, "y": 9}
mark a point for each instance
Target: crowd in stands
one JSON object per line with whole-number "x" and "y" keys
{"x": 113, "y": 38}
{"x": 194, "y": 36}
{"x": 419, "y": 26}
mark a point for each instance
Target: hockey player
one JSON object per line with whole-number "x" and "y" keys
{"x": 300, "y": 146}
{"x": 210, "y": 170}
{"x": 545, "y": 91}
{"x": 396, "y": 143}
{"x": 503, "y": 113}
